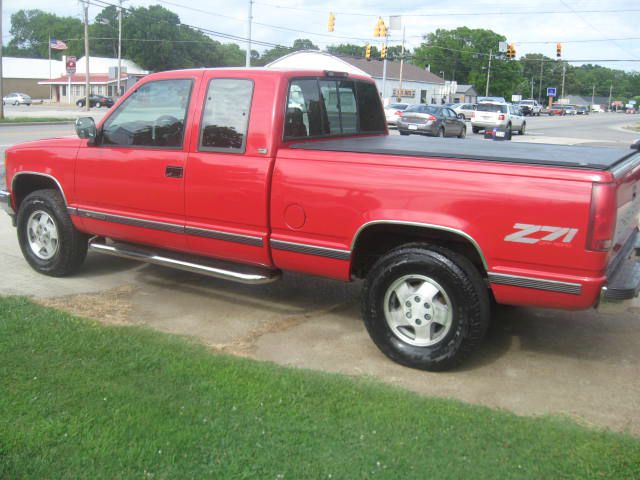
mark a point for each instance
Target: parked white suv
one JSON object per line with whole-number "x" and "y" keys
{"x": 530, "y": 107}
{"x": 490, "y": 115}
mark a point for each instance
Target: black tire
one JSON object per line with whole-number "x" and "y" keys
{"x": 98, "y": 104}
{"x": 80, "y": 103}
{"x": 523, "y": 128}
{"x": 464, "y": 286}
{"x": 475, "y": 129}
{"x": 463, "y": 133}
{"x": 508, "y": 132}
{"x": 402, "y": 132}
{"x": 71, "y": 245}
{"x": 441, "y": 132}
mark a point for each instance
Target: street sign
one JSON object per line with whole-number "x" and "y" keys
{"x": 632, "y": 102}
{"x": 551, "y": 91}
{"x": 502, "y": 47}
{"x": 71, "y": 65}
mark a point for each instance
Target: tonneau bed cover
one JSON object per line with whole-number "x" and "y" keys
{"x": 593, "y": 158}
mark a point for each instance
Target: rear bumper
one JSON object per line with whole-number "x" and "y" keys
{"x": 623, "y": 282}
{"x": 5, "y": 202}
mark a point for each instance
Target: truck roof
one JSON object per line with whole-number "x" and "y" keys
{"x": 593, "y": 158}
{"x": 261, "y": 71}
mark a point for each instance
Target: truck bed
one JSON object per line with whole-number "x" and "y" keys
{"x": 592, "y": 158}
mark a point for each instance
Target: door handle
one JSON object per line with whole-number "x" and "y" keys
{"x": 173, "y": 172}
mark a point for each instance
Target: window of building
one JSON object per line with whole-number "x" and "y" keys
{"x": 152, "y": 116}
{"x": 225, "y": 118}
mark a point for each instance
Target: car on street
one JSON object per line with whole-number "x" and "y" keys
{"x": 393, "y": 111}
{"x": 570, "y": 110}
{"x": 490, "y": 115}
{"x": 431, "y": 120}
{"x": 582, "y": 110}
{"x": 557, "y": 110}
{"x": 463, "y": 110}
{"x": 227, "y": 179}
{"x": 16, "y": 99}
{"x": 96, "y": 101}
{"x": 530, "y": 107}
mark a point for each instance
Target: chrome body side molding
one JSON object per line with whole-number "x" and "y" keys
{"x": 535, "y": 283}
{"x": 225, "y": 236}
{"x": 13, "y": 182}
{"x": 306, "y": 249}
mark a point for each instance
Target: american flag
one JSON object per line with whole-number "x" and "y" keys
{"x": 57, "y": 44}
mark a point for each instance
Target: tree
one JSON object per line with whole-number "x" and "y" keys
{"x": 31, "y": 30}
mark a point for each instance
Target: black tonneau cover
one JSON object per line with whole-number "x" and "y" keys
{"x": 594, "y": 158}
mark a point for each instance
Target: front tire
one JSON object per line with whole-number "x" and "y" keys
{"x": 48, "y": 240}
{"x": 463, "y": 133}
{"x": 79, "y": 103}
{"x": 98, "y": 104}
{"x": 425, "y": 306}
{"x": 523, "y": 128}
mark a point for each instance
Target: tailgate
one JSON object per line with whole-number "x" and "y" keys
{"x": 627, "y": 178}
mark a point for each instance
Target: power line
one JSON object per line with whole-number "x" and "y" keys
{"x": 450, "y": 14}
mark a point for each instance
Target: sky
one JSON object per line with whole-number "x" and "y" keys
{"x": 591, "y": 30}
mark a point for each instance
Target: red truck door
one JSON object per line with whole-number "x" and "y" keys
{"x": 130, "y": 185}
{"x": 229, "y": 167}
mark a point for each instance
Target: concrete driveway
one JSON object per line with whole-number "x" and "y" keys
{"x": 582, "y": 364}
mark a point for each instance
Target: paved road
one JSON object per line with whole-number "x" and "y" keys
{"x": 580, "y": 364}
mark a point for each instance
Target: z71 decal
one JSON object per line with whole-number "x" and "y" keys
{"x": 530, "y": 234}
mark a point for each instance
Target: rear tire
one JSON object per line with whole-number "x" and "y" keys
{"x": 475, "y": 129}
{"x": 463, "y": 133}
{"x": 403, "y": 132}
{"x": 98, "y": 104}
{"x": 425, "y": 306}
{"x": 523, "y": 128}
{"x": 48, "y": 240}
{"x": 79, "y": 103}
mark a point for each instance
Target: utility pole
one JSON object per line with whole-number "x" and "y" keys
{"x": 86, "y": 53}
{"x": 1, "y": 95}
{"x": 119, "y": 47}
{"x": 399, "y": 99}
{"x": 564, "y": 71}
{"x": 486, "y": 94}
{"x": 531, "y": 88}
{"x": 610, "y": 92}
{"x": 249, "y": 20}
{"x": 384, "y": 68}
{"x": 540, "y": 85}
{"x": 593, "y": 96}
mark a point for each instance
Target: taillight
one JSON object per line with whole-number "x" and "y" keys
{"x": 430, "y": 118}
{"x": 501, "y": 117}
{"x": 398, "y": 113}
{"x": 602, "y": 219}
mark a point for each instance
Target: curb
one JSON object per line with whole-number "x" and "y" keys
{"x": 16, "y": 124}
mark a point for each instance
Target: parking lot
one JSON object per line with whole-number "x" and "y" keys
{"x": 584, "y": 365}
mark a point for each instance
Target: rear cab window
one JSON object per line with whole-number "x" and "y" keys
{"x": 321, "y": 107}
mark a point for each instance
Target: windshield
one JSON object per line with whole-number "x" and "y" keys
{"x": 491, "y": 107}
{"x": 526, "y": 102}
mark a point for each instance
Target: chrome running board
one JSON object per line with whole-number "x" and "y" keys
{"x": 218, "y": 269}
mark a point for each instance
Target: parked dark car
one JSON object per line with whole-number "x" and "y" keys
{"x": 96, "y": 101}
{"x": 582, "y": 110}
{"x": 431, "y": 120}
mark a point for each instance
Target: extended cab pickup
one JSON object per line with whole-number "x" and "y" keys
{"x": 243, "y": 173}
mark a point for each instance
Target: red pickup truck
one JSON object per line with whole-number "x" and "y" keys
{"x": 243, "y": 173}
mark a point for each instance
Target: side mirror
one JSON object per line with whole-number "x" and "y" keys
{"x": 636, "y": 145}
{"x": 461, "y": 116}
{"x": 86, "y": 128}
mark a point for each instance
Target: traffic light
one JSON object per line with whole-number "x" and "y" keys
{"x": 558, "y": 49}
{"x": 511, "y": 51}
{"x": 332, "y": 22}
{"x": 367, "y": 52}
{"x": 380, "y": 30}
{"x": 383, "y": 52}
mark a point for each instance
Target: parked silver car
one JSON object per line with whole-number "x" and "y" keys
{"x": 393, "y": 111}
{"x": 431, "y": 120}
{"x": 490, "y": 115}
{"x": 463, "y": 110}
{"x": 16, "y": 99}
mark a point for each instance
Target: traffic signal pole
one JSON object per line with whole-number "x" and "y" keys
{"x": 486, "y": 94}
{"x": 249, "y": 20}
{"x": 384, "y": 72}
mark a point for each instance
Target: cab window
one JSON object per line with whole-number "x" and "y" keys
{"x": 153, "y": 115}
{"x": 225, "y": 118}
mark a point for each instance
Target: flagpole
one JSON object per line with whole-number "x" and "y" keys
{"x": 50, "y": 88}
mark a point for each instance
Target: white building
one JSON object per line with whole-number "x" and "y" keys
{"x": 102, "y": 78}
{"x": 418, "y": 85}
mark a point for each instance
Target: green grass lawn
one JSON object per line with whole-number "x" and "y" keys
{"x": 35, "y": 119}
{"x": 81, "y": 400}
